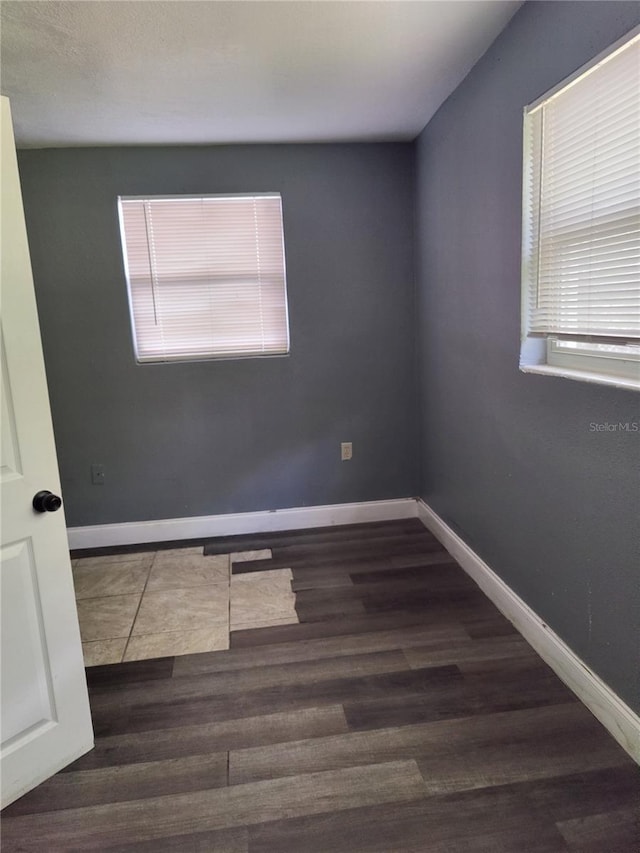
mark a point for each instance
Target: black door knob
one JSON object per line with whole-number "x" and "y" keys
{"x": 46, "y": 502}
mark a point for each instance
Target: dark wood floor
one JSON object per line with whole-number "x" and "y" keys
{"x": 403, "y": 714}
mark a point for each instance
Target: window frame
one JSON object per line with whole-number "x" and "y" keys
{"x": 594, "y": 359}
{"x": 198, "y": 358}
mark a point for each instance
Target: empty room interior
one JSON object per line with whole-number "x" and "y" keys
{"x": 320, "y": 426}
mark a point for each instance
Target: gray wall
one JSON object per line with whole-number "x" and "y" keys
{"x": 231, "y": 436}
{"x": 509, "y": 459}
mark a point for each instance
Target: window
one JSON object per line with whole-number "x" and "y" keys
{"x": 581, "y": 224}
{"x": 206, "y": 276}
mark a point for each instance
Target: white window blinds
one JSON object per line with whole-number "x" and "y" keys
{"x": 206, "y": 276}
{"x": 581, "y": 250}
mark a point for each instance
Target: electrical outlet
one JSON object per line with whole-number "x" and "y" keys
{"x": 346, "y": 451}
{"x": 97, "y": 475}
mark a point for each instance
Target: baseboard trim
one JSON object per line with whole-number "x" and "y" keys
{"x": 600, "y": 699}
{"x": 208, "y": 526}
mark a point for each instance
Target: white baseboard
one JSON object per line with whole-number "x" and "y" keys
{"x": 205, "y": 526}
{"x": 600, "y": 699}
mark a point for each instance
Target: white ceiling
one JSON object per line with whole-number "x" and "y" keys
{"x": 185, "y": 72}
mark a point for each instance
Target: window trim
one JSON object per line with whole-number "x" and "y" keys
{"x": 542, "y": 353}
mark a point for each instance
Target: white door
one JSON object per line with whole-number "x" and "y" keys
{"x": 44, "y": 707}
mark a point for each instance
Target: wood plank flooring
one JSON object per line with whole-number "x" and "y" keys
{"x": 403, "y": 713}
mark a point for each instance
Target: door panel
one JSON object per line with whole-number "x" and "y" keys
{"x": 44, "y": 706}
{"x": 27, "y": 700}
{"x": 10, "y": 467}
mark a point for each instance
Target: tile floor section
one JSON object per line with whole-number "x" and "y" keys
{"x": 174, "y": 602}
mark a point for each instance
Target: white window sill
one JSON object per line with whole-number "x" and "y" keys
{"x": 582, "y": 375}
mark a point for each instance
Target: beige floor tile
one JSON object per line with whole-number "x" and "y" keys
{"x": 197, "y": 551}
{"x": 143, "y": 557}
{"x": 107, "y": 618}
{"x": 253, "y": 596}
{"x": 291, "y": 619}
{"x": 189, "y": 609}
{"x": 274, "y": 585}
{"x": 176, "y": 572}
{"x": 280, "y": 577}
{"x": 114, "y": 579}
{"x": 100, "y": 652}
{"x": 177, "y": 643}
{"x": 245, "y": 556}
{"x": 265, "y": 600}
